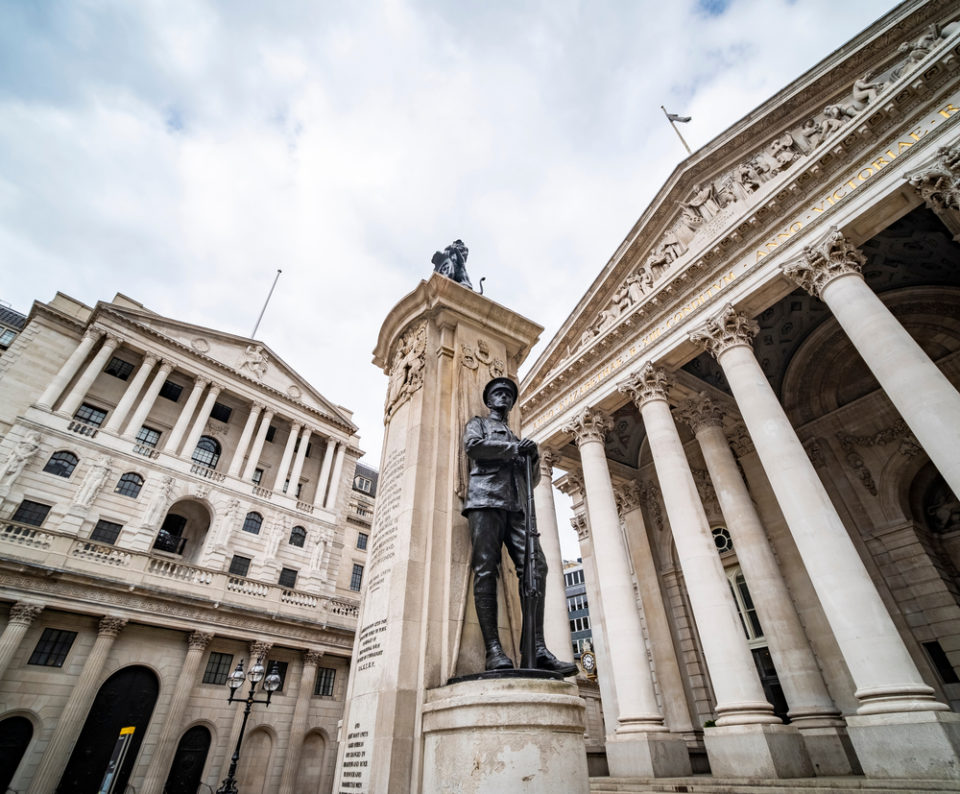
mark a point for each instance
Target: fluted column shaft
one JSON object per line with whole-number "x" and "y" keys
{"x": 148, "y": 399}
{"x": 70, "y": 367}
{"x": 156, "y": 774}
{"x": 331, "y": 503}
{"x": 71, "y": 719}
{"x": 22, "y": 614}
{"x": 115, "y": 422}
{"x": 298, "y": 460}
{"x": 72, "y": 401}
{"x": 237, "y": 461}
{"x": 201, "y": 420}
{"x": 283, "y": 469}
{"x": 319, "y": 498}
{"x": 740, "y": 697}
{"x": 258, "y": 442}
{"x": 299, "y": 722}
{"x": 556, "y": 623}
{"x": 186, "y": 414}
{"x": 637, "y": 700}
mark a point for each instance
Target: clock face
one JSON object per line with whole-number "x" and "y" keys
{"x": 588, "y": 661}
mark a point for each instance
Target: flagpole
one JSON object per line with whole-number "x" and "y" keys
{"x": 672, "y": 124}
{"x": 269, "y": 295}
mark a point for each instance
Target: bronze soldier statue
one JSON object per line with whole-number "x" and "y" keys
{"x": 494, "y": 507}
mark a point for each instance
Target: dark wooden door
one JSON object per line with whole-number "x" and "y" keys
{"x": 15, "y": 735}
{"x": 187, "y": 767}
{"x": 126, "y": 698}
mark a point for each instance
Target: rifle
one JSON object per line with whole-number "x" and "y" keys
{"x": 529, "y": 585}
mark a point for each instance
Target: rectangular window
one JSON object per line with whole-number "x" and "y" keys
{"x": 148, "y": 437}
{"x": 271, "y": 432}
{"x": 6, "y": 337}
{"x": 239, "y": 565}
{"x": 119, "y": 368}
{"x": 32, "y": 513}
{"x": 90, "y": 414}
{"x": 362, "y": 538}
{"x": 288, "y": 578}
{"x": 356, "y": 577}
{"x": 281, "y": 669}
{"x": 106, "y": 531}
{"x": 171, "y": 391}
{"x": 219, "y": 666}
{"x": 363, "y": 484}
{"x": 257, "y": 476}
{"x": 325, "y": 678}
{"x": 53, "y": 647}
{"x": 221, "y": 412}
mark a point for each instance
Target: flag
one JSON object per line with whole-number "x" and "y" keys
{"x": 681, "y": 119}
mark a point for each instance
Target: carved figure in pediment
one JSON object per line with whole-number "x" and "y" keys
{"x": 703, "y": 201}
{"x": 608, "y": 319}
{"x": 672, "y": 246}
{"x": 811, "y": 134}
{"x": 865, "y": 91}
{"x": 657, "y": 263}
{"x": 752, "y": 174}
{"x": 255, "y": 361}
{"x": 726, "y": 195}
{"x": 785, "y": 151}
{"x": 586, "y": 336}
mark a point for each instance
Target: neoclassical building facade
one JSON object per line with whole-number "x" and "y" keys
{"x": 755, "y": 410}
{"x": 174, "y": 500}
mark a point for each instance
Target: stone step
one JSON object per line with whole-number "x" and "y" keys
{"x": 817, "y": 785}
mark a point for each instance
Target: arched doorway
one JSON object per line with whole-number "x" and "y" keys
{"x": 15, "y": 735}
{"x": 184, "y": 529}
{"x": 313, "y": 762}
{"x": 126, "y": 698}
{"x": 254, "y": 763}
{"x": 187, "y": 767}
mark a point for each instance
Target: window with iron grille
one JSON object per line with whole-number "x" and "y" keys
{"x": 119, "y": 368}
{"x": 252, "y": 523}
{"x": 325, "y": 678}
{"x": 298, "y": 536}
{"x": 207, "y": 452}
{"x": 32, "y": 513}
{"x": 130, "y": 484}
{"x": 239, "y": 565}
{"x": 148, "y": 437}
{"x": 61, "y": 463}
{"x": 281, "y": 671}
{"x": 221, "y": 412}
{"x": 288, "y": 578}
{"x": 90, "y": 414}
{"x": 362, "y": 538}
{"x": 106, "y": 531}
{"x": 219, "y": 666}
{"x": 356, "y": 577}
{"x": 171, "y": 390}
{"x": 53, "y": 647}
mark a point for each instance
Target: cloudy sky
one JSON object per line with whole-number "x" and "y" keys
{"x": 181, "y": 152}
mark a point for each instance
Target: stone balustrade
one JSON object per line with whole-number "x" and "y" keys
{"x": 60, "y": 551}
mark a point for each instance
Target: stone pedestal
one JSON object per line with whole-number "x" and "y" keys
{"x": 504, "y": 735}
{"x": 766, "y": 751}
{"x": 918, "y": 745}
{"x": 656, "y": 754}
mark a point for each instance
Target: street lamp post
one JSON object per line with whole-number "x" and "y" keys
{"x": 270, "y": 685}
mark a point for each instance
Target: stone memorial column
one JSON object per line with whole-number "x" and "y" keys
{"x": 258, "y": 443}
{"x": 556, "y": 624}
{"x": 159, "y": 768}
{"x": 927, "y": 401}
{"x": 811, "y": 708}
{"x": 640, "y": 746}
{"x": 186, "y": 414}
{"x": 200, "y": 422}
{"x": 70, "y": 368}
{"x": 243, "y": 444}
{"x": 22, "y": 614}
{"x": 894, "y": 700}
{"x": 75, "y": 396}
{"x": 300, "y": 722}
{"x": 406, "y": 725}
{"x": 70, "y": 722}
{"x": 749, "y": 739}
{"x": 148, "y": 399}
{"x": 130, "y": 394}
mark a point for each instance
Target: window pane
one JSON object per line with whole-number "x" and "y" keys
{"x": 90, "y": 414}
{"x": 6, "y": 337}
{"x": 271, "y": 432}
{"x": 239, "y": 565}
{"x": 62, "y": 464}
{"x": 53, "y": 647}
{"x": 325, "y": 678}
{"x": 207, "y": 452}
{"x": 257, "y": 476}
{"x": 106, "y": 531}
{"x": 252, "y": 523}
{"x": 218, "y": 668}
{"x": 171, "y": 390}
{"x": 362, "y": 538}
{"x": 356, "y": 577}
{"x": 298, "y": 536}
{"x": 221, "y": 412}
{"x": 32, "y": 513}
{"x": 130, "y": 485}
{"x": 119, "y": 368}
{"x": 148, "y": 436}
{"x": 288, "y": 578}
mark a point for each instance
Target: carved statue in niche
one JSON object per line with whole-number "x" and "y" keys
{"x": 703, "y": 201}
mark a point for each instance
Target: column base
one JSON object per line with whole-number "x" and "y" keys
{"x": 767, "y": 751}
{"x": 831, "y": 751}
{"x": 912, "y": 744}
{"x": 659, "y": 754}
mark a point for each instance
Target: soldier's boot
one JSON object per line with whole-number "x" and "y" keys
{"x": 487, "y": 616}
{"x": 545, "y": 659}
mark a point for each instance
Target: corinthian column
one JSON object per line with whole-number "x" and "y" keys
{"x": 640, "y": 745}
{"x": 300, "y": 721}
{"x": 886, "y": 678}
{"x": 72, "y": 401}
{"x": 237, "y": 460}
{"x": 556, "y": 624}
{"x": 22, "y": 615}
{"x": 55, "y": 388}
{"x": 130, "y": 394}
{"x": 148, "y": 399}
{"x": 201, "y": 420}
{"x": 284, "y": 468}
{"x": 186, "y": 413}
{"x": 156, "y": 775}
{"x": 938, "y": 184}
{"x": 71, "y": 719}
{"x": 926, "y": 400}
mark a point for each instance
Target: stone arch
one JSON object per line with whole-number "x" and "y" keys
{"x": 312, "y": 770}
{"x": 18, "y": 730}
{"x": 190, "y": 758}
{"x": 184, "y": 528}
{"x": 253, "y": 771}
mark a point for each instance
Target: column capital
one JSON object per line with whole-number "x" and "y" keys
{"x": 24, "y": 613}
{"x": 832, "y": 257}
{"x": 572, "y": 483}
{"x": 700, "y": 412}
{"x": 113, "y": 339}
{"x": 312, "y": 657}
{"x": 629, "y": 496}
{"x": 591, "y": 424}
{"x": 727, "y": 329}
{"x": 198, "y": 640}
{"x": 94, "y": 332}
{"x": 150, "y": 360}
{"x": 259, "y": 648}
{"x": 215, "y": 388}
{"x": 580, "y": 526}
{"x": 166, "y": 365}
{"x": 646, "y": 384}
{"x": 548, "y": 459}
{"x": 938, "y": 182}
{"x": 111, "y": 626}
{"x": 257, "y": 407}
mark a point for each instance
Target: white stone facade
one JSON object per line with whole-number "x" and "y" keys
{"x": 198, "y": 493}
{"x": 756, "y": 409}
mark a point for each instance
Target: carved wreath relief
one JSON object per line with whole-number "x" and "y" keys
{"x": 473, "y": 360}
